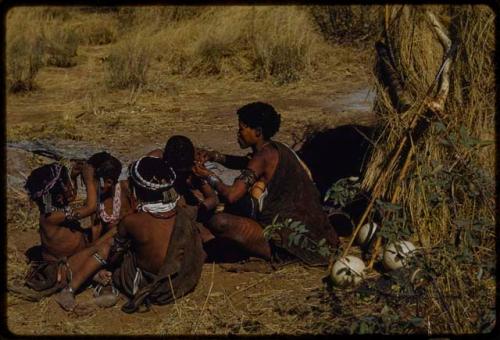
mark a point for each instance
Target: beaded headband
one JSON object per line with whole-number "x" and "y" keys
{"x": 55, "y": 171}
{"x": 139, "y": 180}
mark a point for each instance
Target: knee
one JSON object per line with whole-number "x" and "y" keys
{"x": 218, "y": 224}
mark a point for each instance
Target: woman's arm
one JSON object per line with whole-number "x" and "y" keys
{"x": 242, "y": 183}
{"x": 88, "y": 209}
{"x": 229, "y": 161}
{"x": 210, "y": 197}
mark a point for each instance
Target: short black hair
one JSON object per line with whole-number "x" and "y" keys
{"x": 153, "y": 170}
{"x": 106, "y": 166}
{"x": 46, "y": 179}
{"x": 260, "y": 115}
{"x": 179, "y": 153}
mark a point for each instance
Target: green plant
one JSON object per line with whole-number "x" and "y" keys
{"x": 343, "y": 192}
{"x": 297, "y": 236}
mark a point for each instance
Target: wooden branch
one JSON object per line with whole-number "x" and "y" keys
{"x": 437, "y": 104}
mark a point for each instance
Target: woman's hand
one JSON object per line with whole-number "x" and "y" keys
{"x": 202, "y": 155}
{"x": 200, "y": 171}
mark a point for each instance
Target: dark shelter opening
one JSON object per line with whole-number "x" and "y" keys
{"x": 333, "y": 154}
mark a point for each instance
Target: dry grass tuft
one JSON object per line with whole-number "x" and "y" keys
{"x": 97, "y": 29}
{"x": 349, "y": 24}
{"x": 25, "y": 46}
{"x": 61, "y": 44}
{"x": 127, "y": 65}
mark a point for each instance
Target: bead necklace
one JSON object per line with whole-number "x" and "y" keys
{"x": 116, "y": 207}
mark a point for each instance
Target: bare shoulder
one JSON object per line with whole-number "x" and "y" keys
{"x": 124, "y": 186}
{"x": 266, "y": 154}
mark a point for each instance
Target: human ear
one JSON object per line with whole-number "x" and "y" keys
{"x": 108, "y": 182}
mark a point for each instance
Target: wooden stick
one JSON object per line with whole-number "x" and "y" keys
{"x": 395, "y": 197}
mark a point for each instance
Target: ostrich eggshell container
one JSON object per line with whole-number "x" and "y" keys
{"x": 348, "y": 271}
{"x": 395, "y": 258}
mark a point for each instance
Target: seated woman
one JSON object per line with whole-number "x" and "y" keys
{"x": 66, "y": 250}
{"x": 114, "y": 201}
{"x": 158, "y": 248}
{"x": 196, "y": 196}
{"x": 284, "y": 191}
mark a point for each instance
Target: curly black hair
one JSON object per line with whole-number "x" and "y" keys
{"x": 179, "y": 153}
{"x": 106, "y": 166}
{"x": 260, "y": 115}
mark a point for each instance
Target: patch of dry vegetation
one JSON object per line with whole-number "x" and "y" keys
{"x": 281, "y": 44}
{"x": 349, "y": 24}
{"x": 24, "y": 53}
{"x": 447, "y": 200}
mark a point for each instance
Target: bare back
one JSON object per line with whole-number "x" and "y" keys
{"x": 61, "y": 240}
{"x": 150, "y": 237}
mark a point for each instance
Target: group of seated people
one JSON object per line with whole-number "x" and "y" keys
{"x": 148, "y": 233}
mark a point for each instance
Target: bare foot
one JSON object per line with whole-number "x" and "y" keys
{"x": 106, "y": 296}
{"x": 65, "y": 299}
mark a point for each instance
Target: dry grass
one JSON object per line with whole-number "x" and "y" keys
{"x": 24, "y": 49}
{"x": 277, "y": 42}
{"x": 252, "y": 42}
{"x": 349, "y": 24}
{"x": 451, "y": 219}
{"x": 128, "y": 63}
{"x": 96, "y": 28}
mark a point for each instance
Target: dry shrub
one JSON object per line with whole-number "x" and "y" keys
{"x": 284, "y": 43}
{"x": 448, "y": 198}
{"x": 262, "y": 42}
{"x": 128, "y": 64}
{"x": 61, "y": 44}
{"x": 156, "y": 17}
{"x": 48, "y": 13}
{"x": 97, "y": 29}
{"x": 25, "y": 46}
{"x": 348, "y": 23}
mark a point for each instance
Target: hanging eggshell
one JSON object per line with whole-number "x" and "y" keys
{"x": 348, "y": 271}
{"x": 366, "y": 233}
{"x": 395, "y": 258}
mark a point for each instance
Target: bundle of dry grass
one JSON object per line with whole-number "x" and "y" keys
{"x": 442, "y": 187}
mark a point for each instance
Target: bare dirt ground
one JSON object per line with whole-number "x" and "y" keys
{"x": 72, "y": 105}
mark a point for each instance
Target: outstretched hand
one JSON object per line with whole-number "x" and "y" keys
{"x": 200, "y": 170}
{"x": 202, "y": 155}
